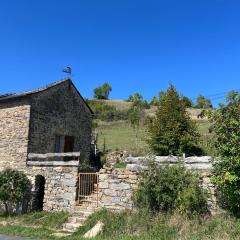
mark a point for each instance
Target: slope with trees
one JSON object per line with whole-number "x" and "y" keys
{"x": 172, "y": 131}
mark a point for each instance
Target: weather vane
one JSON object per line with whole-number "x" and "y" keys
{"x": 68, "y": 70}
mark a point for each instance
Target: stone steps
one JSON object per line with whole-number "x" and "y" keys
{"x": 78, "y": 217}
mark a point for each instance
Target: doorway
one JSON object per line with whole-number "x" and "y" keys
{"x": 39, "y": 193}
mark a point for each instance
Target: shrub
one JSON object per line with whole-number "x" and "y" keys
{"x": 103, "y": 91}
{"x": 187, "y": 102}
{"x": 105, "y": 112}
{"x": 154, "y": 101}
{"x": 226, "y": 129}
{"x": 172, "y": 131}
{"x": 137, "y": 100}
{"x": 13, "y": 188}
{"x": 169, "y": 189}
{"x": 203, "y": 102}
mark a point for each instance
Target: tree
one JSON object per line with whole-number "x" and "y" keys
{"x": 135, "y": 114}
{"x": 13, "y": 187}
{"x": 226, "y": 128}
{"x": 172, "y": 131}
{"x": 203, "y": 102}
{"x": 154, "y": 101}
{"x": 187, "y": 102}
{"x": 136, "y": 97}
{"x": 137, "y": 100}
{"x": 103, "y": 91}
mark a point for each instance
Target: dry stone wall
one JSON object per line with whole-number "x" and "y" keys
{"x": 116, "y": 186}
{"x": 116, "y": 157}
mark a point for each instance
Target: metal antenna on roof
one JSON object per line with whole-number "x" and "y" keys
{"x": 68, "y": 70}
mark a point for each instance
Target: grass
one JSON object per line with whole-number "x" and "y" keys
{"x": 133, "y": 225}
{"x": 119, "y": 135}
{"x": 203, "y": 127}
{"x": 39, "y": 225}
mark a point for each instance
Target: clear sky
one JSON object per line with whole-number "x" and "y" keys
{"x": 135, "y": 45}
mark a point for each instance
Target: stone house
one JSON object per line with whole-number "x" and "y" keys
{"x": 53, "y": 119}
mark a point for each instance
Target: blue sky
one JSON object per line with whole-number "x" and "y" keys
{"x": 135, "y": 45}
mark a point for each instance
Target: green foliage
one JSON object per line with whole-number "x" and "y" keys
{"x": 169, "y": 189}
{"x": 135, "y": 117}
{"x": 137, "y": 100}
{"x": 226, "y": 129}
{"x": 13, "y": 188}
{"x": 135, "y": 114}
{"x": 137, "y": 97}
{"x": 103, "y": 91}
{"x": 187, "y": 102}
{"x": 154, "y": 101}
{"x": 203, "y": 102}
{"x": 172, "y": 131}
{"x": 105, "y": 112}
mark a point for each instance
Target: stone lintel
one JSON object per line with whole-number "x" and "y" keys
{"x": 54, "y": 163}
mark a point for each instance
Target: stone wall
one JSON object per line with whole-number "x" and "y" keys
{"x": 116, "y": 157}
{"x": 14, "y": 126}
{"x": 59, "y": 111}
{"x": 116, "y": 186}
{"x": 60, "y": 184}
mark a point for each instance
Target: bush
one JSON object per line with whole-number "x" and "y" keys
{"x": 226, "y": 129}
{"x": 172, "y": 131}
{"x": 105, "y": 112}
{"x": 137, "y": 100}
{"x": 203, "y": 102}
{"x": 13, "y": 188}
{"x": 103, "y": 91}
{"x": 169, "y": 189}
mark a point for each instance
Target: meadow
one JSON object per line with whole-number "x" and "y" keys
{"x": 120, "y": 135}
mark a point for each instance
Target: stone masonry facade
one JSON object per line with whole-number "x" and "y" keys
{"x": 30, "y": 122}
{"x": 60, "y": 186}
{"x": 14, "y": 130}
{"x": 59, "y": 111}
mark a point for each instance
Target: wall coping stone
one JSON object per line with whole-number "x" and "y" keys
{"x": 136, "y": 164}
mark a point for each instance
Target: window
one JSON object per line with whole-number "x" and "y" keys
{"x": 59, "y": 143}
{"x": 64, "y": 144}
{"x": 69, "y": 144}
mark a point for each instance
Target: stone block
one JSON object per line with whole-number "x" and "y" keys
{"x": 116, "y": 200}
{"x": 69, "y": 182}
{"x": 103, "y": 185}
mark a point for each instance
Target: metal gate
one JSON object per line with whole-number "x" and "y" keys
{"x": 88, "y": 189}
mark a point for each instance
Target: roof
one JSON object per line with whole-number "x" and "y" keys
{"x": 11, "y": 96}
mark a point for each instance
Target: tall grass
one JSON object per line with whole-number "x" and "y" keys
{"x": 130, "y": 225}
{"x": 145, "y": 226}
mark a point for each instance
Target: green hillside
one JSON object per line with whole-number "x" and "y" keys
{"x": 116, "y": 133}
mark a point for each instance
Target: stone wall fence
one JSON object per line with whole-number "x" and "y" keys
{"x": 116, "y": 186}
